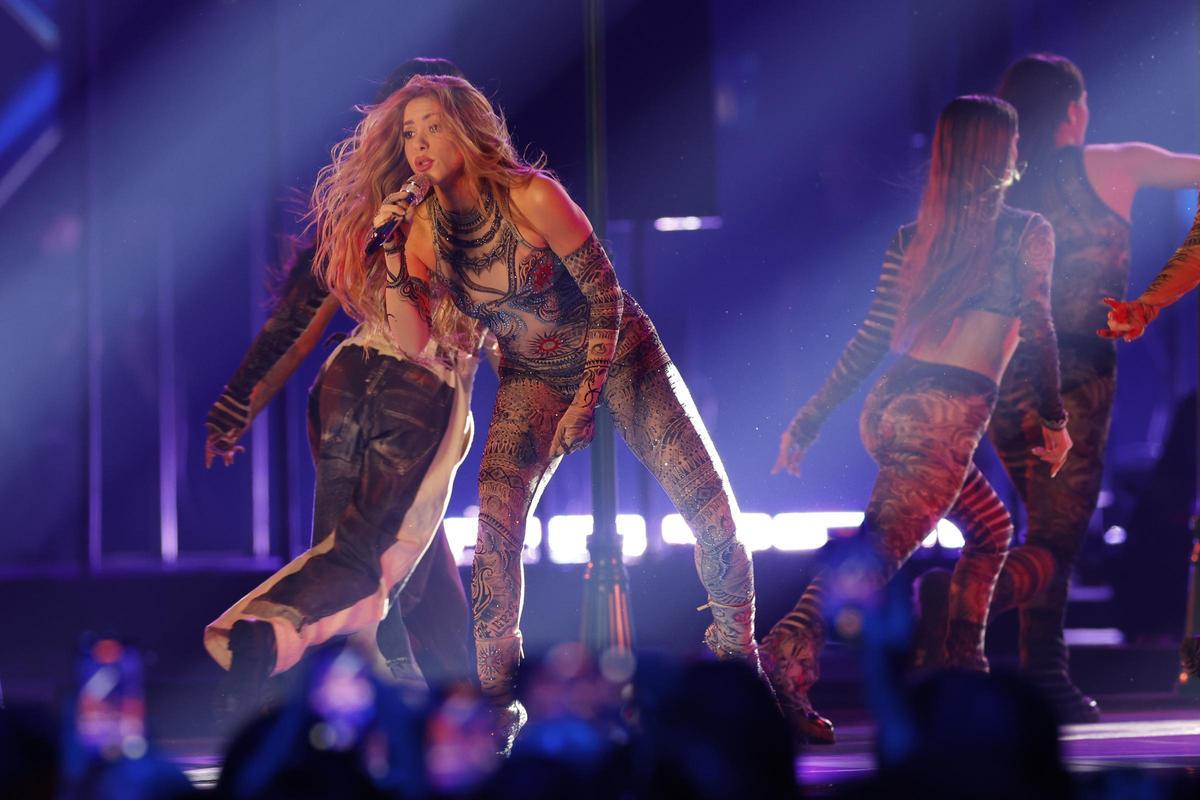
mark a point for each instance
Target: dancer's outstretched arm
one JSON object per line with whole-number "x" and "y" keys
{"x": 1128, "y": 319}
{"x": 862, "y": 354}
{"x": 285, "y": 340}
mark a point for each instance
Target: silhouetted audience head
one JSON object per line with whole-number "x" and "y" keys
{"x": 599, "y": 728}
{"x": 997, "y": 730}
{"x": 977, "y": 735}
{"x": 343, "y": 734}
{"x": 711, "y": 730}
{"x": 29, "y": 753}
{"x": 563, "y": 757}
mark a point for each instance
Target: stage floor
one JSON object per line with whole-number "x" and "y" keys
{"x": 1163, "y": 736}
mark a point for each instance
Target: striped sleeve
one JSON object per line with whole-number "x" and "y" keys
{"x": 862, "y": 354}
{"x": 1180, "y": 275}
{"x": 302, "y": 296}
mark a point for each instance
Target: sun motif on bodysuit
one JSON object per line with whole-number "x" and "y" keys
{"x": 546, "y": 344}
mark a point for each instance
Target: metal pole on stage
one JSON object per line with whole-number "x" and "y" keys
{"x": 607, "y": 624}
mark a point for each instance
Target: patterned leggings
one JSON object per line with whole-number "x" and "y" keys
{"x": 921, "y": 423}
{"x": 655, "y": 415}
{"x": 1058, "y": 509}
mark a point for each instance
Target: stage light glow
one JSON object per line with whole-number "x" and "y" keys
{"x": 462, "y": 532}
{"x": 1115, "y": 535}
{"x": 673, "y": 224}
{"x": 797, "y": 531}
{"x": 1089, "y": 593}
{"x": 676, "y": 531}
{"x": 532, "y": 550}
{"x": 632, "y": 530}
{"x": 36, "y": 22}
{"x": 30, "y": 105}
{"x": 1093, "y": 636}
{"x": 809, "y": 530}
{"x": 566, "y": 537}
{"x": 948, "y": 535}
{"x": 755, "y": 531}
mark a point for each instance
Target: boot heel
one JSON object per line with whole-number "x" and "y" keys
{"x": 791, "y": 667}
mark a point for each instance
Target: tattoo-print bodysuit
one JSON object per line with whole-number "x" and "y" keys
{"x": 921, "y": 423}
{"x": 552, "y": 317}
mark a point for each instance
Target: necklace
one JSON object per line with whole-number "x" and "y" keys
{"x": 473, "y": 217}
{"x": 472, "y": 241}
{"x": 462, "y": 229}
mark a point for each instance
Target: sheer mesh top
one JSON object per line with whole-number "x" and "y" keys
{"x": 1093, "y": 244}
{"x": 522, "y": 293}
{"x": 1019, "y": 287}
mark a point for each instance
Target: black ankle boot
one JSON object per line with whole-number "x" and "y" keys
{"x": 252, "y": 646}
{"x": 1044, "y": 657}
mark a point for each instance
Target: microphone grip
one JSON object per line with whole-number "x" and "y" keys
{"x": 385, "y": 231}
{"x": 381, "y": 235}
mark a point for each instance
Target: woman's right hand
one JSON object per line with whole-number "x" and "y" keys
{"x": 1127, "y": 319}
{"x": 1057, "y": 444}
{"x": 791, "y": 453}
{"x": 575, "y": 430}
{"x": 395, "y": 206}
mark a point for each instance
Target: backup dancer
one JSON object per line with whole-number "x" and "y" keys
{"x": 1086, "y": 192}
{"x": 957, "y": 288}
{"x": 389, "y": 423}
{"x": 502, "y": 238}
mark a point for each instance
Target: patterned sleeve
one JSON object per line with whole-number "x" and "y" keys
{"x": 862, "y": 354}
{"x": 591, "y": 269}
{"x": 303, "y": 295}
{"x": 1035, "y": 265}
{"x": 1180, "y": 275}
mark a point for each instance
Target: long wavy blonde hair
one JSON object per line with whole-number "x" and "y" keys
{"x": 370, "y": 164}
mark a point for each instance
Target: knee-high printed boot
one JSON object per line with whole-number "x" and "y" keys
{"x": 497, "y": 661}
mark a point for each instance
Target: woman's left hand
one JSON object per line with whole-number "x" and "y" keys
{"x": 575, "y": 430}
{"x": 227, "y": 420}
{"x": 1056, "y": 445}
{"x": 791, "y": 453}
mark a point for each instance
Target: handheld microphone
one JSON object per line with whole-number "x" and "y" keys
{"x": 415, "y": 189}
